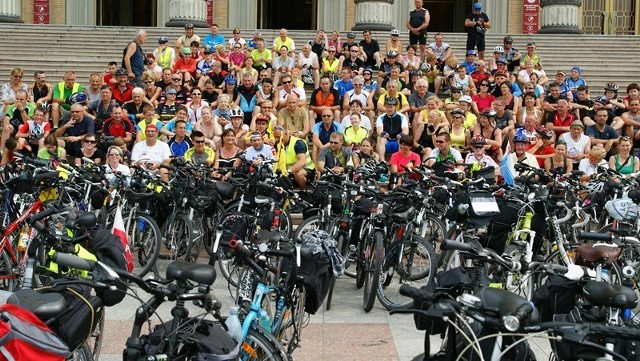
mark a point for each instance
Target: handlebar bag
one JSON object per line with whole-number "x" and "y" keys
{"x": 24, "y": 337}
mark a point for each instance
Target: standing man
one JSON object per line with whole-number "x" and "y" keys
{"x": 417, "y": 24}
{"x": 185, "y": 40}
{"x": 133, "y": 58}
{"x": 477, "y": 24}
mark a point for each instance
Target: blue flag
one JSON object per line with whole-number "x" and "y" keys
{"x": 507, "y": 170}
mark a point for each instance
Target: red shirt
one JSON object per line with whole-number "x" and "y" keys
{"x": 566, "y": 122}
{"x": 546, "y": 149}
{"x": 122, "y": 96}
{"x": 190, "y": 66}
{"x": 478, "y": 76}
{"x": 106, "y": 79}
{"x": 117, "y": 130}
{"x": 401, "y": 161}
{"x": 483, "y": 103}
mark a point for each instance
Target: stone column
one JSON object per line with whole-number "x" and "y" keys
{"x": 559, "y": 17}
{"x": 11, "y": 11}
{"x": 373, "y": 15}
{"x": 187, "y": 11}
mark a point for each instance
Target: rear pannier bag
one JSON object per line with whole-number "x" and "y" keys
{"x": 24, "y": 337}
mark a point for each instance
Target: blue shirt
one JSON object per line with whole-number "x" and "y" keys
{"x": 171, "y": 126}
{"x": 212, "y": 41}
{"x": 325, "y": 134}
{"x": 574, "y": 84}
{"x": 179, "y": 148}
{"x": 471, "y": 67}
{"x": 342, "y": 87}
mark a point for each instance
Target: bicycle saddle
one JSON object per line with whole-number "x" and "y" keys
{"x": 604, "y": 294}
{"x": 187, "y": 271}
{"x": 83, "y": 220}
{"x": 588, "y": 255}
{"x": 403, "y": 216}
{"x": 43, "y": 305}
{"x": 269, "y": 236}
{"x": 504, "y": 302}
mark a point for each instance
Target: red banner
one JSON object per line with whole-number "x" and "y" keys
{"x": 41, "y": 11}
{"x": 210, "y": 12}
{"x": 530, "y": 16}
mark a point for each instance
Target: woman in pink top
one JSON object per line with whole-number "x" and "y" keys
{"x": 483, "y": 99}
{"x": 236, "y": 60}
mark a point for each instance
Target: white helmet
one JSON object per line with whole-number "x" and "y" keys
{"x": 395, "y": 32}
{"x": 594, "y": 186}
{"x": 236, "y": 112}
{"x": 498, "y": 49}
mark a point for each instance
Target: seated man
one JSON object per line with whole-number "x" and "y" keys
{"x": 336, "y": 156}
{"x": 117, "y": 126}
{"x": 74, "y": 128}
{"x": 390, "y": 127}
{"x": 323, "y": 98}
{"x": 62, "y": 91}
{"x": 322, "y": 131}
{"x": 258, "y": 149}
{"x": 199, "y": 153}
{"x": 293, "y": 157}
{"x": 152, "y": 152}
{"x": 179, "y": 143}
{"x": 122, "y": 89}
{"x": 16, "y": 115}
{"x": 445, "y": 152}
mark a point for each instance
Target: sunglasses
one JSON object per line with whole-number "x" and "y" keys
{"x": 326, "y": 115}
{"x": 478, "y": 147}
{"x": 198, "y": 94}
{"x": 115, "y": 155}
{"x": 358, "y": 84}
{"x": 90, "y": 141}
{"x": 438, "y": 141}
{"x": 456, "y": 91}
{"x": 484, "y": 84}
{"x": 199, "y": 141}
{"x": 332, "y": 142}
{"x": 148, "y": 82}
{"x": 286, "y": 82}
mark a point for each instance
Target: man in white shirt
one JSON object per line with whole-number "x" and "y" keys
{"x": 152, "y": 152}
{"x": 258, "y": 150}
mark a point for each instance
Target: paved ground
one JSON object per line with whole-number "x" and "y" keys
{"x": 345, "y": 331}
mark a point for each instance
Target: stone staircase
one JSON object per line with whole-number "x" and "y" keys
{"x": 87, "y": 49}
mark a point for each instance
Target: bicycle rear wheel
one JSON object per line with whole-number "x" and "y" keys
{"x": 144, "y": 237}
{"x": 290, "y": 329}
{"x": 196, "y": 242}
{"x": 406, "y": 262}
{"x": 373, "y": 265}
{"x": 178, "y": 235}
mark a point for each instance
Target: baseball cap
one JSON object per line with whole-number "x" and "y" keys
{"x": 186, "y": 51}
{"x": 188, "y": 26}
{"x": 477, "y": 6}
{"x": 171, "y": 91}
{"x": 471, "y": 52}
{"x": 577, "y": 68}
{"x": 151, "y": 126}
{"x": 390, "y": 101}
{"x": 577, "y": 123}
{"x": 351, "y": 35}
{"x": 560, "y": 72}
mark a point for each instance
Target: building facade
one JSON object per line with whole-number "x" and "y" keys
{"x": 591, "y": 16}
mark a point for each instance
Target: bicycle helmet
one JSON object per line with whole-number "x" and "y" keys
{"x": 395, "y": 32}
{"x": 498, "y": 49}
{"x": 230, "y": 80}
{"x": 520, "y": 138}
{"x": 466, "y": 99}
{"x": 478, "y": 140}
{"x": 544, "y": 132}
{"x": 594, "y": 186}
{"x": 415, "y": 72}
{"x": 46, "y": 106}
{"x": 425, "y": 67}
{"x": 602, "y": 100}
{"x": 392, "y": 54}
{"x": 236, "y": 112}
{"x": 37, "y": 132}
{"x": 501, "y": 60}
{"x": 121, "y": 71}
{"x": 489, "y": 113}
{"x": 456, "y": 87}
{"x": 457, "y": 111}
{"x": 163, "y": 40}
{"x": 507, "y": 39}
{"x": 366, "y": 169}
{"x": 77, "y": 98}
{"x": 612, "y": 87}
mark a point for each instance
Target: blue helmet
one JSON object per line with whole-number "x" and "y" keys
{"x": 520, "y": 138}
{"x": 230, "y": 80}
{"x": 77, "y": 98}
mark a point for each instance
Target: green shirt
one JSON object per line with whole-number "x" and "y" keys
{"x": 60, "y": 92}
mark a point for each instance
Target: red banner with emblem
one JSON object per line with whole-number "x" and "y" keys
{"x": 41, "y": 11}
{"x": 530, "y": 16}
{"x": 210, "y": 12}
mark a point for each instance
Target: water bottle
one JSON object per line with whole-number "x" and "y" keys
{"x": 265, "y": 320}
{"x": 233, "y": 324}
{"x": 627, "y": 314}
{"x": 605, "y": 276}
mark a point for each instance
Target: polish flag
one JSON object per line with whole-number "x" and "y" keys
{"x": 118, "y": 230}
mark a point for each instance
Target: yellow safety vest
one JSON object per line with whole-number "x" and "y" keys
{"x": 288, "y": 42}
{"x": 164, "y": 57}
{"x": 61, "y": 88}
{"x": 290, "y": 157}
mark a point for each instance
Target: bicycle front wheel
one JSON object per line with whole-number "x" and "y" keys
{"x": 405, "y": 262}
{"x": 259, "y": 345}
{"x": 144, "y": 241}
{"x": 290, "y": 326}
{"x": 373, "y": 265}
{"x": 178, "y": 235}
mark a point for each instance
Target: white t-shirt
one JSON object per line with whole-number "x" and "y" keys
{"x": 252, "y": 153}
{"x": 157, "y": 153}
{"x": 362, "y": 97}
{"x": 282, "y": 95}
{"x": 233, "y": 42}
{"x": 590, "y": 169}
{"x": 525, "y": 75}
{"x": 439, "y": 51}
{"x": 307, "y": 61}
{"x": 574, "y": 147}
{"x": 365, "y": 122}
{"x": 486, "y": 161}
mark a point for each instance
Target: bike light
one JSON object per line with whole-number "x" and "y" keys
{"x": 628, "y": 272}
{"x": 511, "y": 323}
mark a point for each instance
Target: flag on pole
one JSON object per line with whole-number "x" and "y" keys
{"x": 118, "y": 230}
{"x": 507, "y": 169}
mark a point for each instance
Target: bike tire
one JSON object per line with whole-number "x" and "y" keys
{"x": 178, "y": 235}
{"x": 83, "y": 353}
{"x": 310, "y": 224}
{"x": 263, "y": 346}
{"x": 293, "y": 315}
{"x": 400, "y": 266}
{"x": 373, "y": 266}
{"x": 343, "y": 246}
{"x": 144, "y": 237}
{"x": 211, "y": 224}
{"x": 433, "y": 230}
{"x": 10, "y": 280}
{"x": 196, "y": 242}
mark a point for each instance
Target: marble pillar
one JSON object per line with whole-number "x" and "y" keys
{"x": 559, "y": 16}
{"x": 11, "y": 11}
{"x": 187, "y": 11}
{"x": 374, "y": 15}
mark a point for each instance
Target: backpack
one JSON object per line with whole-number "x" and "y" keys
{"x": 109, "y": 249}
{"x": 24, "y": 337}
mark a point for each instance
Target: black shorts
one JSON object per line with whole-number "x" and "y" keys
{"x": 474, "y": 40}
{"x": 418, "y": 39}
